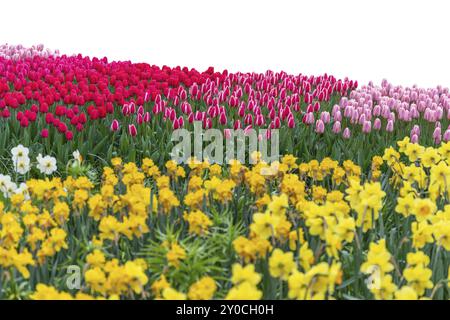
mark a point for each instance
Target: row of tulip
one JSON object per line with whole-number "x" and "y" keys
{"x": 59, "y": 103}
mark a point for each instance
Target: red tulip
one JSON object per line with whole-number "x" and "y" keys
{"x": 69, "y": 135}
{"x": 24, "y": 122}
{"x": 44, "y": 133}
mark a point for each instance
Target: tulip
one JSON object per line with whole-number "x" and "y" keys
{"x": 247, "y": 130}
{"x": 310, "y": 118}
{"x": 147, "y": 117}
{"x": 447, "y": 135}
{"x": 69, "y": 135}
{"x": 377, "y": 124}
{"x": 337, "y": 127}
{"x": 115, "y": 125}
{"x": 320, "y": 126}
{"x": 437, "y": 134}
{"x": 414, "y": 138}
{"x": 291, "y": 123}
{"x": 132, "y": 108}
{"x": 415, "y": 130}
{"x": 227, "y": 133}
{"x": 132, "y": 130}
{"x": 325, "y": 117}
{"x": 390, "y": 126}
{"x": 346, "y": 133}
{"x": 367, "y": 127}
{"x": 139, "y": 119}
{"x": 44, "y": 133}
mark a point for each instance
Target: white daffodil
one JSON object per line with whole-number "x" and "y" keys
{"x": 10, "y": 189}
{"x": 4, "y": 182}
{"x": 22, "y": 165}
{"x": 19, "y": 152}
{"x": 77, "y": 156}
{"x": 46, "y": 165}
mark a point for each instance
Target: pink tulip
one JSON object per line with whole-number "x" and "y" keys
{"x": 310, "y": 118}
{"x": 437, "y": 134}
{"x": 227, "y": 133}
{"x": 377, "y": 124}
{"x": 346, "y": 134}
{"x": 320, "y": 126}
{"x": 367, "y": 127}
{"x": 325, "y": 117}
{"x": 414, "y": 138}
{"x": 390, "y": 126}
{"x": 337, "y": 127}
{"x": 447, "y": 135}
{"x": 247, "y": 129}
{"x": 377, "y": 111}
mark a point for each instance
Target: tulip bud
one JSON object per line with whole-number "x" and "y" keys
{"x": 320, "y": 126}
{"x": 132, "y": 130}
{"x": 227, "y": 133}
{"x": 447, "y": 135}
{"x": 115, "y": 125}
{"x": 377, "y": 124}
{"x": 125, "y": 110}
{"x": 337, "y": 127}
{"x": 367, "y": 127}
{"x": 291, "y": 122}
{"x": 132, "y": 107}
{"x": 44, "y": 133}
{"x": 346, "y": 133}
{"x": 139, "y": 119}
{"x": 325, "y": 117}
{"x": 390, "y": 126}
{"x": 437, "y": 134}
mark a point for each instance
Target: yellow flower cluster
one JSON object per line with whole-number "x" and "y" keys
{"x": 304, "y": 228}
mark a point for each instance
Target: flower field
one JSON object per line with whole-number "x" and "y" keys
{"x": 92, "y": 206}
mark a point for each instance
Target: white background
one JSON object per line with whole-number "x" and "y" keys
{"x": 407, "y": 42}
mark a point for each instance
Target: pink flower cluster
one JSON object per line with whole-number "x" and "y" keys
{"x": 386, "y": 106}
{"x": 17, "y": 52}
{"x": 244, "y": 101}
